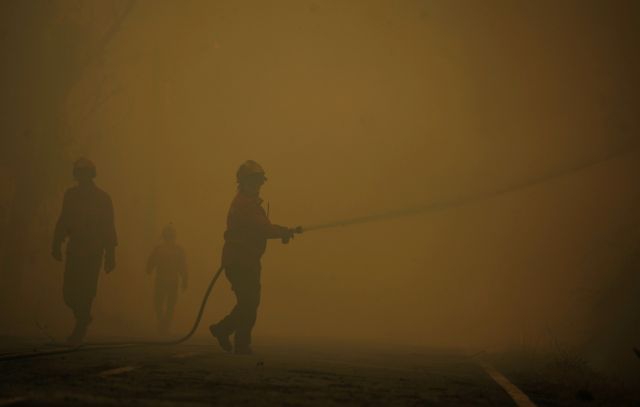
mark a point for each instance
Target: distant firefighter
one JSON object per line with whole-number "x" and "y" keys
{"x": 248, "y": 229}
{"x": 87, "y": 222}
{"x": 169, "y": 262}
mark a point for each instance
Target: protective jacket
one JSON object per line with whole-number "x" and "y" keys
{"x": 248, "y": 229}
{"x": 169, "y": 262}
{"x": 87, "y": 220}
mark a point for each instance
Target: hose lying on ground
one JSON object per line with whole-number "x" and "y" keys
{"x": 114, "y": 345}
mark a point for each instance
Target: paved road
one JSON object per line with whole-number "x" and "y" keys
{"x": 199, "y": 374}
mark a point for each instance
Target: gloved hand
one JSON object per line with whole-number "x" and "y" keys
{"x": 290, "y": 234}
{"x": 110, "y": 260}
{"x": 56, "y": 253}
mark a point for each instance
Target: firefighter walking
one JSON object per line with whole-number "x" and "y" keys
{"x": 87, "y": 222}
{"x": 169, "y": 262}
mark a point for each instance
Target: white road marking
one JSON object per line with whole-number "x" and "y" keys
{"x": 516, "y": 394}
{"x": 12, "y": 400}
{"x": 117, "y": 371}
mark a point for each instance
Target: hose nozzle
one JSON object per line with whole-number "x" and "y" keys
{"x": 290, "y": 235}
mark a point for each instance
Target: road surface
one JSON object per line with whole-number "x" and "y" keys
{"x": 198, "y": 374}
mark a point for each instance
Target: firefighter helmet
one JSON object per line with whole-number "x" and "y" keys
{"x": 84, "y": 166}
{"x": 169, "y": 232}
{"x": 250, "y": 170}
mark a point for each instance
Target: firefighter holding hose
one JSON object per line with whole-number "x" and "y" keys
{"x": 248, "y": 229}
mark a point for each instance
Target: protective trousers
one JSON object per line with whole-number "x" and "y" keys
{"x": 165, "y": 301}
{"x": 245, "y": 283}
{"x": 80, "y": 284}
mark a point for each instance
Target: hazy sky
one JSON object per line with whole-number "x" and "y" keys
{"x": 359, "y": 107}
